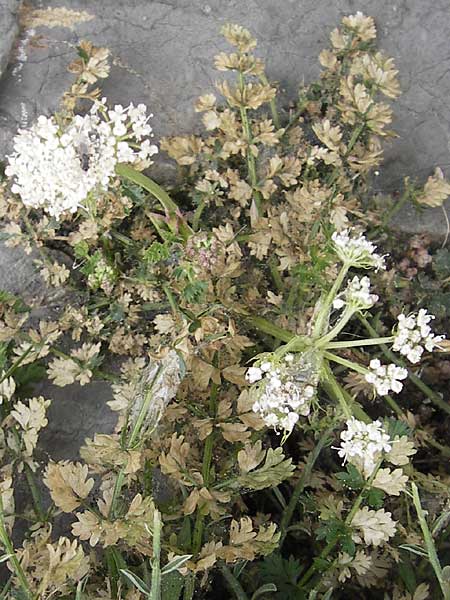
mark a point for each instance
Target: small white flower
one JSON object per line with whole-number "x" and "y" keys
{"x": 357, "y": 294}
{"x": 363, "y": 444}
{"x": 253, "y": 374}
{"x": 385, "y": 377}
{"x": 357, "y": 251}
{"x": 414, "y": 335}
{"x": 284, "y": 390}
{"x": 56, "y": 168}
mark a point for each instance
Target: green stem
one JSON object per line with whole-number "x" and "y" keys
{"x": 35, "y": 494}
{"x": 329, "y": 547}
{"x": 253, "y": 181}
{"x": 171, "y": 299}
{"x": 116, "y": 492}
{"x": 198, "y": 213}
{"x": 6, "y": 541}
{"x": 394, "y": 406}
{"x": 334, "y": 332}
{"x": 301, "y": 484}
{"x": 233, "y": 583}
{"x": 355, "y": 135}
{"x": 395, "y": 208}
{"x": 435, "y": 398}
{"x": 6, "y": 588}
{"x": 155, "y": 592}
{"x": 113, "y": 575}
{"x": 346, "y": 363}
{"x": 16, "y": 364}
{"x": 324, "y": 311}
{"x": 270, "y": 328}
{"x": 358, "y": 343}
{"x": 337, "y": 392}
{"x": 276, "y": 277}
{"x": 143, "y": 412}
{"x": 273, "y": 104}
{"x": 197, "y": 536}
{"x": 429, "y": 543}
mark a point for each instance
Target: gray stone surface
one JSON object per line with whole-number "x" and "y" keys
{"x": 8, "y": 29}
{"x": 76, "y": 413}
{"x": 166, "y": 49}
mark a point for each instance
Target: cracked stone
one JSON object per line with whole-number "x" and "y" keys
{"x": 164, "y": 51}
{"x": 8, "y": 30}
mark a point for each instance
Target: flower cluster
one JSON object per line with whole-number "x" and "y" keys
{"x": 285, "y": 390}
{"x": 363, "y": 444}
{"x": 356, "y": 251}
{"x": 55, "y": 167}
{"x": 414, "y": 335}
{"x": 385, "y": 377}
{"x": 357, "y": 294}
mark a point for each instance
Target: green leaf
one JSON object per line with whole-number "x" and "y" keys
{"x": 441, "y": 263}
{"x": 267, "y": 587}
{"x": 375, "y": 498}
{"x": 81, "y": 249}
{"x": 321, "y": 564}
{"x": 194, "y": 291}
{"x": 185, "y": 535}
{"x": 136, "y": 581}
{"x": 395, "y": 427}
{"x": 82, "y": 53}
{"x": 284, "y": 574}
{"x": 151, "y": 186}
{"x": 335, "y": 531}
{"x": 352, "y": 478}
{"x": 172, "y": 585}
{"x": 175, "y": 564}
{"x": 276, "y": 468}
{"x": 415, "y": 549}
{"x": 5, "y": 557}
{"x": 29, "y": 374}
{"x": 408, "y": 576}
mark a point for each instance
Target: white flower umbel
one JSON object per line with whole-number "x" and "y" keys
{"x": 414, "y": 335}
{"x": 357, "y": 294}
{"x": 363, "y": 444}
{"x": 385, "y": 378}
{"x": 356, "y": 251}
{"x": 56, "y": 167}
{"x": 284, "y": 390}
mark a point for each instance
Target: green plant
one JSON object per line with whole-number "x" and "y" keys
{"x": 247, "y": 344}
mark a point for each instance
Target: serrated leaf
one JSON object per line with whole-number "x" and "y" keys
{"x": 352, "y": 478}
{"x": 394, "y": 428}
{"x": 441, "y": 263}
{"x": 136, "y": 581}
{"x": 175, "y": 564}
{"x": 276, "y": 468}
{"x": 374, "y": 498}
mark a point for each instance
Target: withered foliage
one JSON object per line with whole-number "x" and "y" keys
{"x": 183, "y": 299}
